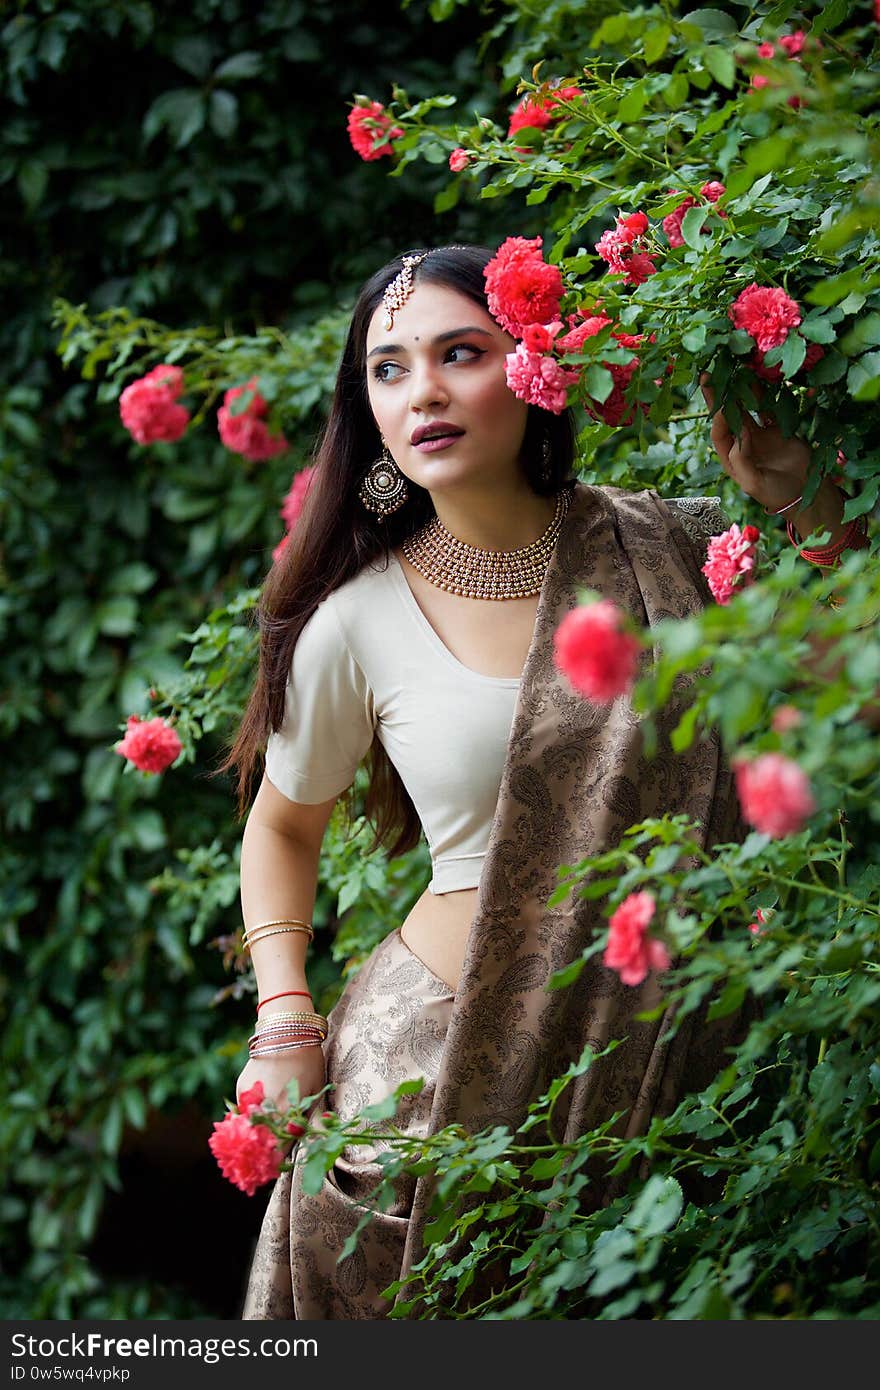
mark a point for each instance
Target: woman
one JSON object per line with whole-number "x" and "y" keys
{"x": 443, "y": 539}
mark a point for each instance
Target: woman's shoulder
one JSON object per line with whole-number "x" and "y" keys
{"x": 699, "y": 515}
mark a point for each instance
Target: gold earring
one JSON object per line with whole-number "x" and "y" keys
{"x": 384, "y": 488}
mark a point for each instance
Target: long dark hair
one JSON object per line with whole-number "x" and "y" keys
{"x": 335, "y": 536}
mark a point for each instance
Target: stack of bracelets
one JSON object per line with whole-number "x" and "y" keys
{"x": 283, "y": 1032}
{"x": 854, "y": 537}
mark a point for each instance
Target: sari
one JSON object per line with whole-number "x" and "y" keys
{"x": 576, "y": 776}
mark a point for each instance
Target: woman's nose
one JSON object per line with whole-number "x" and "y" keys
{"x": 426, "y": 387}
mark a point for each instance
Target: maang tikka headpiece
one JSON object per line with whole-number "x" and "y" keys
{"x": 401, "y": 287}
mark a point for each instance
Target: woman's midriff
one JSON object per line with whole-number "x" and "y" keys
{"x": 436, "y": 930}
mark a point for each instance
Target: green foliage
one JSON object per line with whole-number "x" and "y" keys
{"x": 189, "y": 164}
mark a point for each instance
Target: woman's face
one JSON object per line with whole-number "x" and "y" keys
{"x": 438, "y": 392}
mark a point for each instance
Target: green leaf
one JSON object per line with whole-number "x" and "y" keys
{"x": 794, "y": 350}
{"x": 865, "y": 333}
{"x": 731, "y": 997}
{"x": 33, "y": 179}
{"x": 655, "y": 41}
{"x": 194, "y": 54}
{"x": 836, "y": 287}
{"x": 818, "y": 330}
{"x": 612, "y": 29}
{"x": 863, "y": 501}
{"x": 692, "y": 227}
{"x": 240, "y": 67}
{"x": 135, "y": 578}
{"x": 675, "y": 93}
{"x": 448, "y": 196}
{"x": 181, "y": 112}
{"x": 632, "y": 105}
{"x": 223, "y": 114}
{"x": 657, "y": 1207}
{"x": 863, "y": 378}
{"x": 712, "y": 24}
{"x": 830, "y": 16}
{"x": 682, "y": 735}
{"x": 829, "y": 368}
{"x": 117, "y": 616}
{"x": 720, "y": 62}
{"x": 694, "y": 338}
{"x": 599, "y": 382}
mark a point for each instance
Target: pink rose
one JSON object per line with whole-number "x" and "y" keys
{"x": 538, "y": 337}
{"x": 622, "y": 249}
{"x": 639, "y": 267}
{"x": 539, "y": 379}
{"x": 252, "y": 1099}
{"x": 458, "y": 160}
{"x": 521, "y": 288}
{"x": 766, "y": 50}
{"x": 295, "y": 498}
{"x": 148, "y": 406}
{"x": 247, "y": 1153}
{"x": 774, "y": 794}
{"x": 757, "y": 927}
{"x": 244, "y": 431}
{"x": 630, "y": 951}
{"x": 292, "y": 506}
{"x": 151, "y": 744}
{"x": 730, "y": 561}
{"x": 793, "y": 43}
{"x": 591, "y": 648}
{"x": 765, "y": 312}
{"x": 785, "y": 717}
{"x": 368, "y": 122}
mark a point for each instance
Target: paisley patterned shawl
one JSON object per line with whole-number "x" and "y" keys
{"x": 575, "y": 779}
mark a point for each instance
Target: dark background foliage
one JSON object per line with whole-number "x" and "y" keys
{"x": 192, "y": 163}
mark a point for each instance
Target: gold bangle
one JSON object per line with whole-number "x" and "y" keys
{"x": 281, "y": 922}
{"x": 289, "y": 1018}
{"x": 248, "y": 940}
{"x": 266, "y": 926}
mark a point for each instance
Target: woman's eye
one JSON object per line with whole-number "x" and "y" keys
{"x": 468, "y": 348}
{"x": 386, "y": 371}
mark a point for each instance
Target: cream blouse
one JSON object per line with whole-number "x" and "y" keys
{"x": 368, "y": 661}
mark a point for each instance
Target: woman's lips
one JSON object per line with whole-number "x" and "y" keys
{"x": 437, "y": 442}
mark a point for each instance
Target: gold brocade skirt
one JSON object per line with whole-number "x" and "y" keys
{"x": 389, "y": 1025}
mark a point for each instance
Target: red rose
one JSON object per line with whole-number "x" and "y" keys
{"x": 766, "y": 313}
{"x": 151, "y": 744}
{"x": 630, "y": 951}
{"x": 368, "y": 122}
{"x": 591, "y": 648}
{"x": 521, "y": 288}
{"x": 774, "y": 794}
{"x": 245, "y": 431}
{"x": 148, "y": 407}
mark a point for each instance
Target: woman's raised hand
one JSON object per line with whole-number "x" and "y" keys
{"x": 765, "y": 464}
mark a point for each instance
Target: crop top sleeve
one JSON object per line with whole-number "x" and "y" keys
{"x": 329, "y": 715}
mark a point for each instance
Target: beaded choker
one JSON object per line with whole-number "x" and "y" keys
{"x": 473, "y": 572}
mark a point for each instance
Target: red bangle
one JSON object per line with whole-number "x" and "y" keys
{"x": 283, "y": 995}
{"x": 855, "y": 531}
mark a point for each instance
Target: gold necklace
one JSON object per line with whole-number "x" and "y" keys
{"x": 473, "y": 572}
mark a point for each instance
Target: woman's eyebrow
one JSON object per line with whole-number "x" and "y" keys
{"x": 441, "y": 338}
